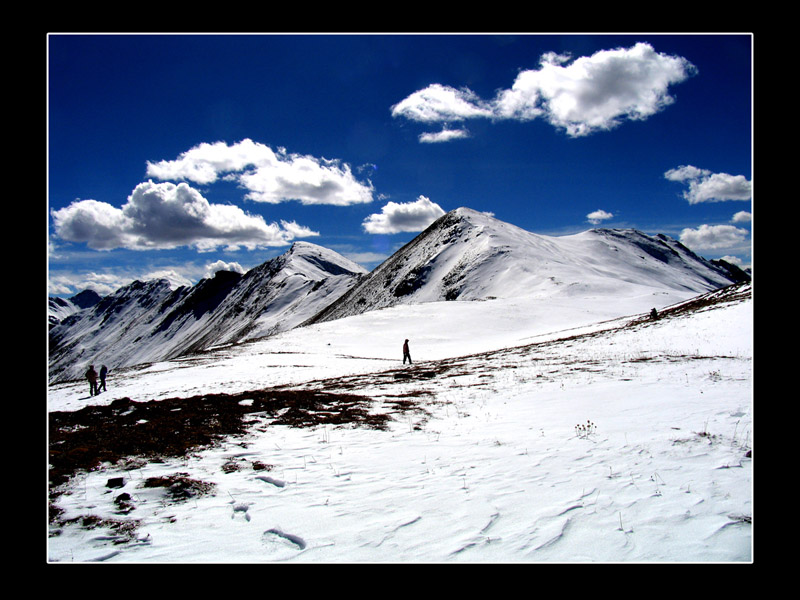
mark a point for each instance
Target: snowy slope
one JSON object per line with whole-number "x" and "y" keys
{"x": 146, "y": 322}
{"x": 115, "y": 323}
{"x": 59, "y": 309}
{"x": 484, "y": 462}
{"x": 468, "y": 255}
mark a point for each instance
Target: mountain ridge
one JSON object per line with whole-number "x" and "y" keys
{"x": 149, "y": 321}
{"x": 469, "y": 255}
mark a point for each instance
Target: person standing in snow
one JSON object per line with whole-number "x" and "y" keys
{"x": 103, "y": 373}
{"x": 406, "y": 353}
{"x": 91, "y": 375}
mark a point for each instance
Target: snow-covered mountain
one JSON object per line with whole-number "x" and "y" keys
{"x": 59, "y": 309}
{"x": 149, "y": 321}
{"x": 464, "y": 255}
{"x": 468, "y": 255}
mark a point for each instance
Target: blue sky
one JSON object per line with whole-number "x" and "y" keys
{"x": 174, "y": 155}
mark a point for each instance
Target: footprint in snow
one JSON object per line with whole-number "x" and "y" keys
{"x": 275, "y": 482}
{"x": 241, "y": 508}
{"x": 276, "y": 536}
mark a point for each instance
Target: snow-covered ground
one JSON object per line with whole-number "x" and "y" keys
{"x": 495, "y": 470}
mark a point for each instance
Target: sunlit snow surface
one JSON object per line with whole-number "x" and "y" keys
{"x": 494, "y": 472}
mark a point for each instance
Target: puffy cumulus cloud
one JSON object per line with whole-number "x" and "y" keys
{"x": 712, "y": 237}
{"x": 590, "y": 94}
{"x": 598, "y": 216}
{"x": 396, "y": 217}
{"x": 596, "y": 92}
{"x": 99, "y": 224}
{"x": 705, "y": 186}
{"x": 205, "y": 163}
{"x": 742, "y": 217}
{"x": 267, "y": 175}
{"x": 221, "y": 265}
{"x": 166, "y": 215}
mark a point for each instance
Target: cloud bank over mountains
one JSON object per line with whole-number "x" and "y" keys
{"x": 160, "y": 215}
{"x": 705, "y": 186}
{"x": 165, "y": 215}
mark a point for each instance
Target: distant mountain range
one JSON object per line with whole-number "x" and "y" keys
{"x": 464, "y": 255}
{"x": 59, "y": 309}
{"x": 148, "y": 321}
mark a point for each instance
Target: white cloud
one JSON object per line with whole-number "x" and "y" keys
{"x": 705, "y": 186}
{"x": 581, "y": 97}
{"x": 410, "y": 216}
{"x": 175, "y": 277}
{"x": 742, "y": 217}
{"x": 267, "y": 175}
{"x": 596, "y": 92}
{"x": 598, "y": 216}
{"x": 166, "y": 215}
{"x": 297, "y": 231}
{"x": 205, "y": 162}
{"x": 440, "y": 103}
{"x": 712, "y": 237}
{"x": 221, "y": 265}
{"x": 67, "y": 283}
{"x": 734, "y": 260}
{"x": 443, "y": 136}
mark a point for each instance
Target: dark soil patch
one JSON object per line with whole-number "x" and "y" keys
{"x": 180, "y": 486}
{"x": 124, "y": 430}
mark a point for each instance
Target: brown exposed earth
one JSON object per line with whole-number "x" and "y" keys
{"x": 125, "y": 430}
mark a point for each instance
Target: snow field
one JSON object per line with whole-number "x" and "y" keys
{"x": 494, "y": 473}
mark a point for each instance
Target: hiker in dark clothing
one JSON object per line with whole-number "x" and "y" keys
{"x": 103, "y": 373}
{"x": 406, "y": 353}
{"x": 654, "y": 313}
{"x": 91, "y": 375}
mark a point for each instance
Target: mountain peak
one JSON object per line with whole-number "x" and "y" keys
{"x": 471, "y": 255}
{"x": 322, "y": 260}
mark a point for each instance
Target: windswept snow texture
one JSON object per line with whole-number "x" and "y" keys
{"x": 146, "y": 322}
{"x": 532, "y": 432}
